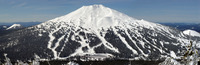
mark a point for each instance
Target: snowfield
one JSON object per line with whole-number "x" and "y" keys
{"x": 14, "y": 26}
{"x": 191, "y": 32}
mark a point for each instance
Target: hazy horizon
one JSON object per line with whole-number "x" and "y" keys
{"x": 154, "y": 11}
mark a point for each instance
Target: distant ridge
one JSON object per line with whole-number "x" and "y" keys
{"x": 25, "y": 24}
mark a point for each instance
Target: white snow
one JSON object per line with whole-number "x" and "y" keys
{"x": 191, "y": 32}
{"x": 172, "y": 54}
{"x": 107, "y": 44}
{"x": 80, "y": 52}
{"x": 8, "y": 62}
{"x": 98, "y": 16}
{"x": 125, "y": 42}
{"x": 39, "y": 34}
{"x": 14, "y": 26}
{"x": 72, "y": 63}
{"x": 51, "y": 42}
{"x": 4, "y": 26}
{"x": 198, "y": 44}
{"x": 170, "y": 61}
{"x": 83, "y": 43}
{"x": 142, "y": 43}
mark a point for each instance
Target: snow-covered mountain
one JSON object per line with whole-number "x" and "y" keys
{"x": 15, "y": 26}
{"x": 191, "y": 33}
{"x": 94, "y": 31}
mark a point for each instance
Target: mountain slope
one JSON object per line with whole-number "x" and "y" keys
{"x": 191, "y": 32}
{"x": 96, "y": 31}
{"x": 15, "y": 26}
{"x": 5, "y": 29}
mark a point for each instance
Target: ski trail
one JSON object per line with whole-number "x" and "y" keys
{"x": 79, "y": 51}
{"x": 83, "y": 43}
{"x": 56, "y": 44}
{"x": 107, "y": 44}
{"x": 134, "y": 42}
{"x": 124, "y": 41}
{"x": 64, "y": 44}
{"x": 153, "y": 45}
{"x": 104, "y": 42}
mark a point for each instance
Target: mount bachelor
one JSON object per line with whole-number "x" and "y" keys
{"x": 94, "y": 30}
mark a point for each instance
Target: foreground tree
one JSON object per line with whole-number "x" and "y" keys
{"x": 190, "y": 57}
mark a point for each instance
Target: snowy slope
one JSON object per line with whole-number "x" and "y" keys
{"x": 191, "y": 32}
{"x": 97, "y": 31}
{"x": 14, "y": 26}
{"x": 97, "y": 18}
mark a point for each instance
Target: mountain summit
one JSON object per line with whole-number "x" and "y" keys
{"x": 98, "y": 16}
{"x": 95, "y": 16}
{"x": 95, "y": 32}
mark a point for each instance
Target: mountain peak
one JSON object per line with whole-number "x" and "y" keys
{"x": 94, "y": 6}
{"x": 95, "y": 16}
{"x": 14, "y": 26}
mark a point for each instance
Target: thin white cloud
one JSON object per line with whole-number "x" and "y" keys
{"x": 20, "y": 5}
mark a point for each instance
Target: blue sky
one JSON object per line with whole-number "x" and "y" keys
{"x": 150, "y": 10}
